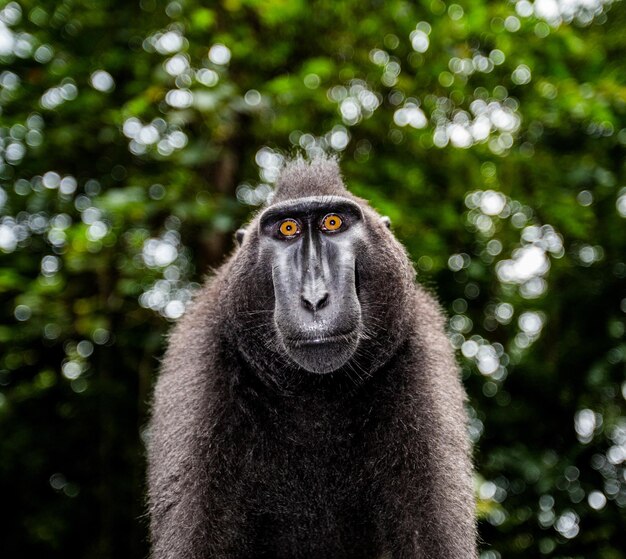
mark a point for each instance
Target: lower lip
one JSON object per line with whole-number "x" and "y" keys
{"x": 330, "y": 339}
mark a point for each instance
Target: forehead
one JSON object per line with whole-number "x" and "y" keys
{"x": 311, "y": 205}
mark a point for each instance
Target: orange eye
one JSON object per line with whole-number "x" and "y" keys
{"x": 332, "y": 222}
{"x": 289, "y": 228}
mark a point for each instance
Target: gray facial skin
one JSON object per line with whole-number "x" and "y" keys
{"x": 317, "y": 312}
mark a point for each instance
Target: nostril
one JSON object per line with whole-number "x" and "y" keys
{"x": 316, "y": 302}
{"x": 306, "y": 303}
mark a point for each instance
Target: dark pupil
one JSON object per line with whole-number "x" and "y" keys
{"x": 289, "y": 227}
{"x": 331, "y": 222}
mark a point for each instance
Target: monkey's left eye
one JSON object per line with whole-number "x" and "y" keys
{"x": 332, "y": 222}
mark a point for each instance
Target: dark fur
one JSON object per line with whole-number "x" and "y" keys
{"x": 250, "y": 456}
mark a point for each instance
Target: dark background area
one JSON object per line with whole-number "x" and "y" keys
{"x": 136, "y": 137}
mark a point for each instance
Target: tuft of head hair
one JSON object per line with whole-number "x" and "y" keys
{"x": 319, "y": 176}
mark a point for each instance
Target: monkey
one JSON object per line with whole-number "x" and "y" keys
{"x": 309, "y": 403}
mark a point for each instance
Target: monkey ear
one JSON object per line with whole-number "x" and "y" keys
{"x": 239, "y": 235}
{"x": 386, "y": 221}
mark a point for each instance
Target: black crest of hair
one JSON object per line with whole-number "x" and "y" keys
{"x": 300, "y": 178}
{"x": 309, "y": 403}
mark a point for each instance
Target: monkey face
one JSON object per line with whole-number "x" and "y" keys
{"x": 312, "y": 246}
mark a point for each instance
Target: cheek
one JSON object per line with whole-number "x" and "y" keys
{"x": 283, "y": 281}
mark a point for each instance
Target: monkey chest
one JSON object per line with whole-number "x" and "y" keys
{"x": 306, "y": 493}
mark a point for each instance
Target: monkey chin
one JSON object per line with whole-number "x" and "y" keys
{"x": 324, "y": 354}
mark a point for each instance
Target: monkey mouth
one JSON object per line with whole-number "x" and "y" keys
{"x": 322, "y": 353}
{"x": 323, "y": 340}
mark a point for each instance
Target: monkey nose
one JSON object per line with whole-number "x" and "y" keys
{"x": 315, "y": 301}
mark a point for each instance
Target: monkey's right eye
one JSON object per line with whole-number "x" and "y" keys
{"x": 289, "y": 228}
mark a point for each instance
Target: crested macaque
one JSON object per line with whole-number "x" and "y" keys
{"x": 309, "y": 403}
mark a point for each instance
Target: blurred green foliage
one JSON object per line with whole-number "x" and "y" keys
{"x": 136, "y": 137}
